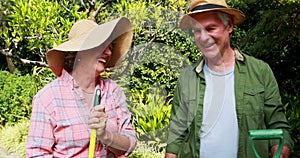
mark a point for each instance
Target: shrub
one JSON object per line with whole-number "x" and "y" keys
{"x": 15, "y": 96}
{"x": 293, "y": 112}
{"x": 17, "y": 91}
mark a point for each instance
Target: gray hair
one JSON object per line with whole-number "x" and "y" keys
{"x": 224, "y": 17}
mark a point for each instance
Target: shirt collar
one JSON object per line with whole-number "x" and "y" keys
{"x": 238, "y": 56}
{"x": 69, "y": 80}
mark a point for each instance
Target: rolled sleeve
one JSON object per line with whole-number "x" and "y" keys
{"x": 127, "y": 130}
{"x": 123, "y": 117}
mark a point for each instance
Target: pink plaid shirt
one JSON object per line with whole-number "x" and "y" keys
{"x": 58, "y": 125}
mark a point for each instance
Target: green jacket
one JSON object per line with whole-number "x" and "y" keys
{"x": 258, "y": 106}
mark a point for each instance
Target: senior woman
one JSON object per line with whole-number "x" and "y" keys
{"x": 63, "y": 114}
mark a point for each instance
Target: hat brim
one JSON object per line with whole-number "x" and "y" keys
{"x": 238, "y": 16}
{"x": 119, "y": 31}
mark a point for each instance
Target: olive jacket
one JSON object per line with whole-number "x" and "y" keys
{"x": 258, "y": 106}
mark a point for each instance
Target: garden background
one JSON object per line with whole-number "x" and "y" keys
{"x": 149, "y": 73}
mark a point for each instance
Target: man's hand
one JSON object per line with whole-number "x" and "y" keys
{"x": 285, "y": 153}
{"x": 170, "y": 155}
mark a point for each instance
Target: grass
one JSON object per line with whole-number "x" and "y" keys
{"x": 13, "y": 138}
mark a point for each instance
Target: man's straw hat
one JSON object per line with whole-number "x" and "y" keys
{"x": 87, "y": 34}
{"x": 199, "y": 6}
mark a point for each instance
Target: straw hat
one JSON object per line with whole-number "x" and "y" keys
{"x": 87, "y": 34}
{"x": 199, "y": 6}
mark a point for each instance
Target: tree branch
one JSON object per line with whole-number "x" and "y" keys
{"x": 22, "y": 61}
{"x": 99, "y": 8}
{"x": 83, "y": 5}
{"x": 65, "y": 7}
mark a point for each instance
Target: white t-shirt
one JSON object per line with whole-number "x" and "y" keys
{"x": 219, "y": 132}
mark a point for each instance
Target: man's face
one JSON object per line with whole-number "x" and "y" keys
{"x": 211, "y": 36}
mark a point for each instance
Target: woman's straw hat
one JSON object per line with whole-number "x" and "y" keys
{"x": 199, "y": 6}
{"x": 87, "y": 34}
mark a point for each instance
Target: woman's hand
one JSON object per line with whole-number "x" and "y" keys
{"x": 116, "y": 143}
{"x": 97, "y": 121}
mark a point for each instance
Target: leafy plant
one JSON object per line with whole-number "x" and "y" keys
{"x": 150, "y": 116}
{"x": 43, "y": 75}
{"x": 17, "y": 91}
{"x": 143, "y": 150}
{"x": 150, "y": 113}
{"x": 13, "y": 138}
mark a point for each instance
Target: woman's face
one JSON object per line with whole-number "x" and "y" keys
{"x": 93, "y": 60}
{"x": 103, "y": 58}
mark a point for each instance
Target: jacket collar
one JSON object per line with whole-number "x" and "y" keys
{"x": 238, "y": 56}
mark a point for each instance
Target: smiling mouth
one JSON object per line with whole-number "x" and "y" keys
{"x": 102, "y": 60}
{"x": 209, "y": 45}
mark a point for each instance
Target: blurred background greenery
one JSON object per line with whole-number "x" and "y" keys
{"x": 149, "y": 73}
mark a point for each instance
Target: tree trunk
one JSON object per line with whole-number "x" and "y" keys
{"x": 10, "y": 65}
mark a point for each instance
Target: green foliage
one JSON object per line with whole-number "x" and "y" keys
{"x": 275, "y": 40}
{"x": 150, "y": 115}
{"x": 5, "y": 9}
{"x": 144, "y": 150}
{"x": 35, "y": 26}
{"x": 17, "y": 91}
{"x": 13, "y": 138}
{"x": 150, "y": 111}
{"x": 293, "y": 114}
{"x": 159, "y": 51}
{"x": 289, "y": 1}
{"x": 149, "y": 74}
{"x": 292, "y": 107}
{"x": 15, "y": 96}
{"x": 272, "y": 34}
{"x": 155, "y": 23}
{"x": 42, "y": 75}
{"x": 151, "y": 68}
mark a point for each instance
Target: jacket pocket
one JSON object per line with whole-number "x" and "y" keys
{"x": 253, "y": 99}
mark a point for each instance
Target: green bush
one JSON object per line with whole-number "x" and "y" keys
{"x": 293, "y": 113}
{"x": 15, "y": 96}
{"x": 17, "y": 91}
